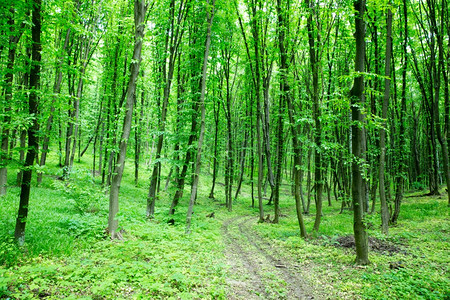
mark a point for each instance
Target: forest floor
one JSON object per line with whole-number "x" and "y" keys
{"x": 256, "y": 268}
{"x": 67, "y": 253}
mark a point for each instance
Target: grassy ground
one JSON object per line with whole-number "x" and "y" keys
{"x": 68, "y": 255}
{"x": 412, "y": 263}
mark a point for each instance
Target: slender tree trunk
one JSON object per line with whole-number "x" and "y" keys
{"x": 23, "y": 137}
{"x": 9, "y": 77}
{"x": 33, "y": 100}
{"x": 357, "y": 99}
{"x": 256, "y": 75}
{"x": 140, "y": 9}
{"x": 72, "y": 133}
{"x": 387, "y": 90}
{"x": 92, "y": 137}
{"x": 138, "y": 139}
{"x": 308, "y": 182}
{"x": 56, "y": 91}
{"x": 252, "y": 153}
{"x": 181, "y": 80}
{"x": 280, "y": 149}
{"x": 400, "y": 180}
{"x": 242, "y": 165}
{"x": 258, "y": 126}
{"x": 209, "y": 16}
{"x": 314, "y": 62}
{"x": 298, "y": 173}
{"x": 173, "y": 38}
{"x": 182, "y": 178}
{"x": 229, "y": 167}
{"x": 216, "y": 140}
{"x": 441, "y": 67}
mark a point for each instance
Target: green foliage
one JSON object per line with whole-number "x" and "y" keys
{"x": 81, "y": 191}
{"x": 67, "y": 253}
{"x": 422, "y": 256}
{"x": 418, "y": 185}
{"x": 9, "y": 251}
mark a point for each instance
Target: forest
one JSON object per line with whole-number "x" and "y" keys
{"x": 224, "y": 149}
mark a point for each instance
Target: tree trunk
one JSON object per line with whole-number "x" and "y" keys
{"x": 33, "y": 100}
{"x": 256, "y": 76}
{"x": 9, "y": 77}
{"x": 138, "y": 139}
{"x": 229, "y": 167}
{"x": 387, "y": 90}
{"x": 209, "y": 16}
{"x": 400, "y": 180}
{"x": 308, "y": 183}
{"x": 139, "y": 21}
{"x": 72, "y": 133}
{"x": 174, "y": 33}
{"x": 56, "y": 91}
{"x": 357, "y": 100}
{"x": 216, "y": 140}
{"x": 441, "y": 67}
{"x": 23, "y": 137}
{"x": 314, "y": 64}
{"x": 182, "y": 178}
{"x": 242, "y": 164}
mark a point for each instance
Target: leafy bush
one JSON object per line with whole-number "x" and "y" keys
{"x": 82, "y": 192}
{"x": 9, "y": 251}
{"x": 418, "y": 185}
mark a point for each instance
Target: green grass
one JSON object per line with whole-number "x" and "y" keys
{"x": 68, "y": 255}
{"x": 422, "y": 234}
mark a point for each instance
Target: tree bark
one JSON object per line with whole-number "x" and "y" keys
{"x": 216, "y": 140}
{"x": 441, "y": 69}
{"x": 33, "y": 100}
{"x": 400, "y": 180}
{"x": 387, "y": 90}
{"x": 140, "y": 9}
{"x": 209, "y": 16}
{"x": 9, "y": 77}
{"x": 173, "y": 39}
{"x": 357, "y": 100}
{"x": 314, "y": 64}
{"x": 242, "y": 165}
{"x": 229, "y": 167}
{"x": 256, "y": 76}
{"x": 138, "y": 138}
{"x": 56, "y": 91}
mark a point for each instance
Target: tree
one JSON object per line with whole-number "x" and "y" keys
{"x": 33, "y": 99}
{"x": 56, "y": 91}
{"x": 209, "y": 16}
{"x": 387, "y": 86}
{"x": 283, "y": 26}
{"x": 314, "y": 63}
{"x": 400, "y": 180}
{"x": 173, "y": 38}
{"x": 15, "y": 33}
{"x": 140, "y": 9}
{"x": 357, "y": 100}
{"x": 256, "y": 76}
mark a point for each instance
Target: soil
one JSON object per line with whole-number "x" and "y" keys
{"x": 256, "y": 270}
{"x": 377, "y": 245}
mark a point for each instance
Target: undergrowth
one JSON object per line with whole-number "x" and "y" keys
{"x": 416, "y": 268}
{"x": 68, "y": 254}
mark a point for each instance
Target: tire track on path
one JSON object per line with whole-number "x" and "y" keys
{"x": 256, "y": 270}
{"x": 248, "y": 283}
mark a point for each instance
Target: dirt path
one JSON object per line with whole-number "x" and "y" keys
{"x": 256, "y": 272}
